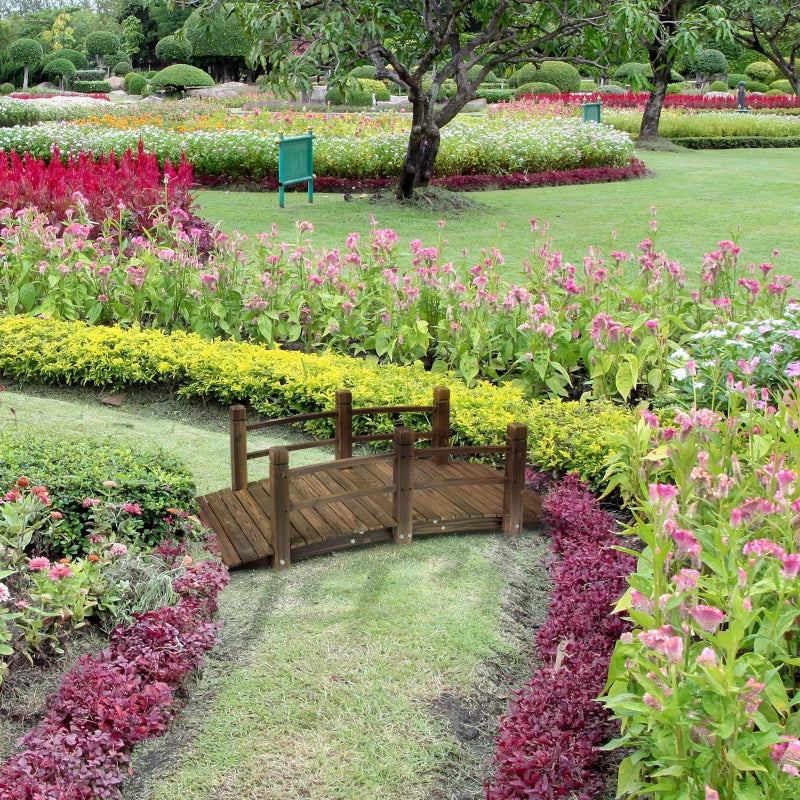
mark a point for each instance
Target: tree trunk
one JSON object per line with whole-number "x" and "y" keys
{"x": 25, "y": 79}
{"x": 662, "y": 68}
{"x": 423, "y": 145}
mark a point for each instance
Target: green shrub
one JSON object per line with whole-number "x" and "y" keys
{"x": 472, "y": 73}
{"x": 60, "y": 68}
{"x": 611, "y": 88}
{"x": 101, "y": 44}
{"x": 735, "y": 78}
{"x": 494, "y": 95}
{"x": 78, "y": 59}
{"x": 74, "y": 468}
{"x": 563, "y": 76}
{"x": 366, "y": 71}
{"x": 173, "y": 50}
{"x": 179, "y": 77}
{"x": 535, "y": 88}
{"x": 734, "y": 142}
{"x": 7, "y": 88}
{"x": 718, "y": 86}
{"x": 90, "y": 75}
{"x": 137, "y": 84}
{"x": 783, "y": 86}
{"x": 90, "y": 87}
{"x": 710, "y": 62}
{"x": 626, "y": 73}
{"x": 756, "y": 86}
{"x": 150, "y": 75}
{"x": 588, "y": 86}
{"x": 25, "y": 51}
{"x": 357, "y": 92}
{"x": 128, "y": 75}
{"x": 122, "y": 68}
{"x": 761, "y": 71}
{"x": 564, "y": 436}
{"x": 681, "y": 87}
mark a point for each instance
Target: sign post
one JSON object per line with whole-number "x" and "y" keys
{"x": 591, "y": 111}
{"x": 296, "y": 163}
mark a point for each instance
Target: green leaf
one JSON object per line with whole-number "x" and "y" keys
{"x": 743, "y": 762}
{"x": 93, "y": 312}
{"x": 27, "y": 296}
{"x": 628, "y": 777}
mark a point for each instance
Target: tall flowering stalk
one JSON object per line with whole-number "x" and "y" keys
{"x": 706, "y": 685}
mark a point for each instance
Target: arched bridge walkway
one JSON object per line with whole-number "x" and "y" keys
{"x": 391, "y": 496}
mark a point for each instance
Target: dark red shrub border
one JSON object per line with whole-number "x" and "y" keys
{"x": 108, "y": 702}
{"x": 548, "y": 744}
{"x": 456, "y": 183}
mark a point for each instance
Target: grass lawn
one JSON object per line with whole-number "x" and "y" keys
{"x": 702, "y": 197}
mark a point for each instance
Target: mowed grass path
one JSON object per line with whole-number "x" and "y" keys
{"x": 702, "y": 197}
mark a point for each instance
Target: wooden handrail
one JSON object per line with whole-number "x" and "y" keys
{"x": 388, "y": 437}
{"x": 395, "y": 410}
{"x": 255, "y": 426}
{"x": 358, "y": 461}
{"x": 466, "y": 450}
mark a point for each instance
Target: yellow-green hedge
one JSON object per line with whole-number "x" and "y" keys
{"x": 563, "y": 436}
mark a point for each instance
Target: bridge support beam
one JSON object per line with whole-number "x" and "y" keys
{"x": 517, "y": 443}
{"x": 344, "y": 424}
{"x": 238, "y": 420}
{"x": 441, "y": 423}
{"x": 403, "y": 483}
{"x": 279, "y": 495}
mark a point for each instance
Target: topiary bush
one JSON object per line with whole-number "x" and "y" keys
{"x": 151, "y": 74}
{"x": 611, "y": 88}
{"x": 90, "y": 75}
{"x": 74, "y": 468}
{"x": 91, "y": 87}
{"x": 683, "y": 87}
{"x": 365, "y": 71}
{"x": 173, "y": 49}
{"x": 782, "y": 85}
{"x": 756, "y": 86}
{"x": 101, "y": 44}
{"x": 472, "y": 73}
{"x": 179, "y": 77}
{"x": 60, "y": 68}
{"x": 357, "y": 92}
{"x": 560, "y": 74}
{"x": 632, "y": 71}
{"x": 6, "y": 88}
{"x": 494, "y": 95}
{"x": 710, "y": 62}
{"x": 588, "y": 86}
{"x": 122, "y": 68}
{"x": 734, "y": 79}
{"x": 26, "y": 52}
{"x": 535, "y": 87}
{"x": 761, "y": 72}
{"x": 718, "y": 86}
{"x": 137, "y": 84}
{"x": 78, "y": 59}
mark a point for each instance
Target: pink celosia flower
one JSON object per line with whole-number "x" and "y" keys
{"x": 118, "y": 549}
{"x": 110, "y": 484}
{"x": 686, "y": 579}
{"x": 708, "y": 618}
{"x": 88, "y": 502}
{"x": 791, "y": 565}
{"x": 707, "y": 658}
{"x": 38, "y": 563}
{"x": 58, "y": 571}
{"x": 686, "y": 542}
{"x": 641, "y": 602}
{"x": 711, "y": 794}
{"x": 5, "y": 595}
{"x": 626, "y": 637}
{"x": 132, "y": 508}
{"x": 763, "y": 547}
{"x": 751, "y": 698}
{"x": 649, "y": 700}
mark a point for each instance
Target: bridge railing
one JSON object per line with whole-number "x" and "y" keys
{"x": 343, "y": 438}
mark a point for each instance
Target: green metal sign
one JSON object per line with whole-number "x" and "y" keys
{"x": 296, "y": 163}
{"x": 591, "y": 111}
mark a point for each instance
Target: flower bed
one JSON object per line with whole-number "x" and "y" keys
{"x": 130, "y": 189}
{"x": 706, "y": 685}
{"x": 32, "y": 109}
{"x": 638, "y": 100}
{"x": 531, "y": 146}
{"x": 548, "y": 746}
{"x": 122, "y": 696}
{"x": 563, "y": 436}
{"x": 559, "y": 332}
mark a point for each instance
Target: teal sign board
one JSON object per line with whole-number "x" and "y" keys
{"x": 591, "y": 111}
{"x": 296, "y": 163}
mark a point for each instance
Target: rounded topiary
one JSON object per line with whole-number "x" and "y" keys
{"x": 357, "y": 92}
{"x": 220, "y": 36}
{"x": 611, "y": 88}
{"x": 90, "y": 75}
{"x": 710, "y": 62}
{"x": 78, "y": 59}
{"x": 734, "y": 79}
{"x": 60, "y": 68}
{"x": 756, "y": 86}
{"x": 718, "y": 86}
{"x": 173, "y": 49}
{"x": 560, "y": 74}
{"x": 122, "y": 69}
{"x": 536, "y": 87}
{"x": 25, "y": 51}
{"x": 525, "y": 74}
{"x": 180, "y": 77}
{"x": 680, "y": 87}
{"x": 588, "y": 86}
{"x": 101, "y": 44}
{"x": 775, "y": 93}
{"x": 632, "y": 71}
{"x": 783, "y": 86}
{"x": 6, "y": 88}
{"x": 761, "y": 71}
{"x": 365, "y": 71}
{"x": 472, "y": 73}
{"x": 136, "y": 84}
{"x": 151, "y": 74}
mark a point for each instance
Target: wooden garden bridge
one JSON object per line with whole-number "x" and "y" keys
{"x": 391, "y": 496}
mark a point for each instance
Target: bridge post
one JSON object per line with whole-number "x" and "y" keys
{"x": 238, "y": 425}
{"x": 344, "y": 424}
{"x": 517, "y": 443}
{"x": 279, "y": 517}
{"x": 441, "y": 422}
{"x": 403, "y": 483}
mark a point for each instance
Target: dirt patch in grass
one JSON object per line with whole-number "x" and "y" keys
{"x": 431, "y": 198}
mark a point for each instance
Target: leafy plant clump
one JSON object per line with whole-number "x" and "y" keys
{"x": 179, "y": 77}
{"x": 75, "y": 469}
{"x": 548, "y": 745}
{"x": 559, "y": 73}
{"x": 535, "y": 88}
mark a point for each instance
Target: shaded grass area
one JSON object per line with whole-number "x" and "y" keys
{"x": 369, "y": 674}
{"x": 701, "y": 196}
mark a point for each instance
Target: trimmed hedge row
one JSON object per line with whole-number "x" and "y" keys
{"x": 731, "y": 142}
{"x": 564, "y": 436}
